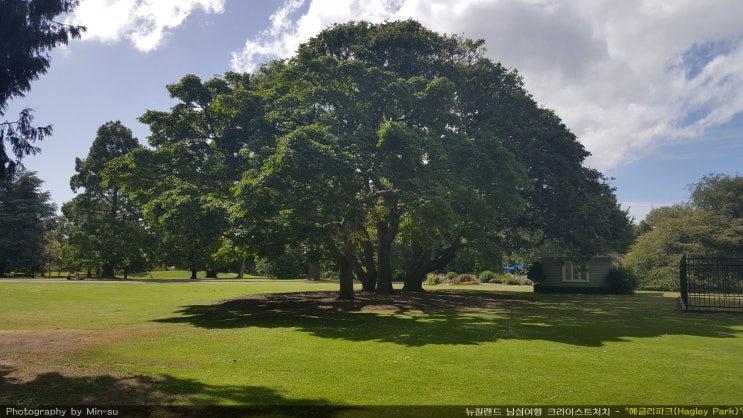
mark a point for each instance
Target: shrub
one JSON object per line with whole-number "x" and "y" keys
{"x": 663, "y": 278}
{"x": 466, "y": 279}
{"x": 433, "y": 279}
{"x": 451, "y": 275}
{"x": 509, "y": 278}
{"x": 525, "y": 282}
{"x": 487, "y": 275}
{"x": 621, "y": 281}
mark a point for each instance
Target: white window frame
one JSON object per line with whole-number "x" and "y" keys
{"x": 572, "y": 272}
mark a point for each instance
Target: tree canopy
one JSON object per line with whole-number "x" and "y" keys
{"x": 104, "y": 225}
{"x": 26, "y": 213}
{"x": 374, "y": 142}
{"x": 709, "y": 225}
{"x": 28, "y": 32}
{"x": 183, "y": 183}
{"x": 718, "y": 193}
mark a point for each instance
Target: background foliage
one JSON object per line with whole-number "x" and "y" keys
{"x": 709, "y": 225}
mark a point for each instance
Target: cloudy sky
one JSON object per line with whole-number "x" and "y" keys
{"x": 652, "y": 88}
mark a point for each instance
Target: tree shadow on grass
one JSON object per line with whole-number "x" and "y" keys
{"x": 162, "y": 395}
{"x": 455, "y": 317}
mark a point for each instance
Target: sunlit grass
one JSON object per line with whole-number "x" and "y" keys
{"x": 169, "y": 342}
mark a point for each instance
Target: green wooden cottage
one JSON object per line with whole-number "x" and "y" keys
{"x": 560, "y": 274}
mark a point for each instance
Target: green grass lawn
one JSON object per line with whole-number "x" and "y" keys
{"x": 168, "y": 342}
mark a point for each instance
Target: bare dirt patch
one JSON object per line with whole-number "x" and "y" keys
{"x": 35, "y": 342}
{"x": 25, "y": 354}
{"x": 39, "y": 367}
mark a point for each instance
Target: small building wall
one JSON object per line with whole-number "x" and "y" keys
{"x": 564, "y": 275}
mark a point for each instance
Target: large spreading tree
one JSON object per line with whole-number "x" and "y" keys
{"x": 374, "y": 140}
{"x": 448, "y": 151}
{"x": 28, "y": 32}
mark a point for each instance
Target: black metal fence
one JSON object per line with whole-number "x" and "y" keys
{"x": 712, "y": 283}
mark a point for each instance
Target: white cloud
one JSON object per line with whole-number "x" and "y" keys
{"x": 296, "y": 22}
{"x": 278, "y": 41}
{"x": 144, "y": 22}
{"x": 625, "y": 76}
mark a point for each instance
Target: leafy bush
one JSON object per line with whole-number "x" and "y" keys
{"x": 487, "y": 275}
{"x": 664, "y": 278}
{"x": 433, "y": 279}
{"x": 509, "y": 278}
{"x": 496, "y": 280}
{"x": 536, "y": 272}
{"x": 466, "y": 279}
{"x": 451, "y": 275}
{"x": 621, "y": 281}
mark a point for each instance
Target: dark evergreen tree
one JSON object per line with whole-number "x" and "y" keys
{"x": 25, "y": 215}
{"x": 28, "y": 32}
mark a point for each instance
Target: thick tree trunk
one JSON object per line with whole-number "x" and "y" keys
{"x": 241, "y": 272}
{"x": 345, "y": 263}
{"x": 108, "y": 271}
{"x": 413, "y": 284}
{"x": 367, "y": 274}
{"x": 313, "y": 271}
{"x": 361, "y": 274}
{"x": 384, "y": 259}
{"x": 424, "y": 261}
{"x": 193, "y": 274}
{"x": 387, "y": 229}
{"x": 416, "y": 274}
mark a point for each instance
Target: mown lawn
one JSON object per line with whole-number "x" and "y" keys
{"x": 170, "y": 342}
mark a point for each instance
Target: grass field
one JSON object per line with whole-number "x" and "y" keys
{"x": 169, "y": 341}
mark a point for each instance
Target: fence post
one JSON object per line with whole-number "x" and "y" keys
{"x": 683, "y": 283}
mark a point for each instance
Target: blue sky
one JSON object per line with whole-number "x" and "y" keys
{"x": 653, "y": 89}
